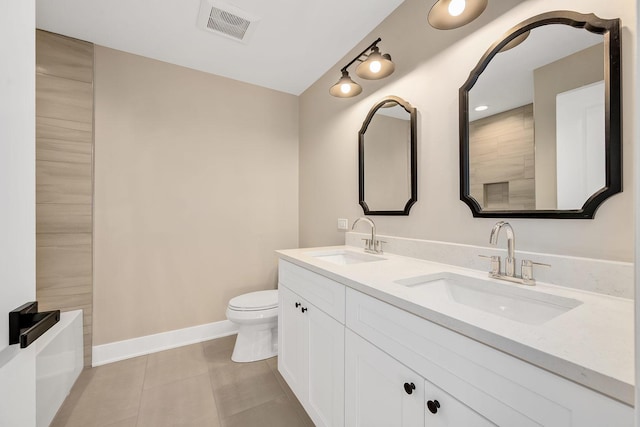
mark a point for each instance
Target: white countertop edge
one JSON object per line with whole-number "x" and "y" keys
{"x": 608, "y": 385}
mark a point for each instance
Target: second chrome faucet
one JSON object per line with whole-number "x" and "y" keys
{"x": 526, "y": 277}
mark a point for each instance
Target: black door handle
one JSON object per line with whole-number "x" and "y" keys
{"x": 409, "y": 387}
{"x": 433, "y": 406}
{"x": 298, "y": 304}
{"x": 303, "y": 309}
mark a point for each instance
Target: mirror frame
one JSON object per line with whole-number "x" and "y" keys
{"x": 413, "y": 151}
{"x": 610, "y": 29}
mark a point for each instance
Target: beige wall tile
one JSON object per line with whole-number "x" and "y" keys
{"x": 57, "y": 150}
{"x": 64, "y": 130}
{"x": 63, "y": 182}
{"x": 63, "y": 260}
{"x": 64, "y": 177}
{"x": 64, "y": 99}
{"x": 62, "y": 56}
{"x": 63, "y": 218}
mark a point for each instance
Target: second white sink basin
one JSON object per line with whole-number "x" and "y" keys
{"x": 506, "y": 300}
{"x": 344, "y": 257}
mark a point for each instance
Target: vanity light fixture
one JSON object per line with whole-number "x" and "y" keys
{"x": 450, "y": 14}
{"x": 345, "y": 88}
{"x": 375, "y": 66}
{"x": 481, "y": 108}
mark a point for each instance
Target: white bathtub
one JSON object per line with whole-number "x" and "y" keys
{"x": 59, "y": 361}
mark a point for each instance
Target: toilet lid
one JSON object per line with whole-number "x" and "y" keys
{"x": 261, "y": 300}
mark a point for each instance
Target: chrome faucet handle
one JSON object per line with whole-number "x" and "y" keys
{"x": 527, "y": 271}
{"x": 367, "y": 244}
{"x": 495, "y": 264}
{"x": 377, "y": 246}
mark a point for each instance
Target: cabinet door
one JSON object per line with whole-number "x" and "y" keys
{"x": 293, "y": 344}
{"x": 326, "y": 368}
{"x": 443, "y": 410}
{"x": 375, "y": 383}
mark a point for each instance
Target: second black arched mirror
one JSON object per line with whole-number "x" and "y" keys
{"x": 540, "y": 120}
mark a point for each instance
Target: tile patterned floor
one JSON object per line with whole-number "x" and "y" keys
{"x": 197, "y": 385}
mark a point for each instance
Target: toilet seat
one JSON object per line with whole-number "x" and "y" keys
{"x": 255, "y": 301}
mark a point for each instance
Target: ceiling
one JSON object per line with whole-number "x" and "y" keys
{"x": 294, "y": 43}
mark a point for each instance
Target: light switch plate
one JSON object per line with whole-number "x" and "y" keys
{"x": 343, "y": 224}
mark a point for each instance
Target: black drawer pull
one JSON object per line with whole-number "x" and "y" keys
{"x": 433, "y": 406}
{"x": 303, "y": 309}
{"x": 298, "y": 304}
{"x": 409, "y": 387}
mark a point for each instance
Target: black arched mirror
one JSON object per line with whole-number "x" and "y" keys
{"x": 387, "y": 158}
{"x": 540, "y": 120}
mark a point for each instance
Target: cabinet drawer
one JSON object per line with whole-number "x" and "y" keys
{"x": 501, "y": 388}
{"x": 326, "y": 294}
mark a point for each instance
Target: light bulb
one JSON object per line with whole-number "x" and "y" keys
{"x": 375, "y": 66}
{"x": 345, "y": 88}
{"x": 456, "y": 7}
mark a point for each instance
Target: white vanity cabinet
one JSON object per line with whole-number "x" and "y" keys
{"x": 311, "y": 342}
{"x": 474, "y": 384}
{"x": 380, "y": 391}
{"x": 355, "y": 360}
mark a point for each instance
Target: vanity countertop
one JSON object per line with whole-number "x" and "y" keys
{"x": 592, "y": 344}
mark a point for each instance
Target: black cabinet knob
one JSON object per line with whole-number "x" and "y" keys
{"x": 433, "y": 406}
{"x": 298, "y": 304}
{"x": 303, "y": 309}
{"x": 409, "y": 387}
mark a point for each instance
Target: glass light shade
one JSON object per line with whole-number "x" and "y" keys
{"x": 376, "y": 66}
{"x": 441, "y": 14}
{"x": 345, "y": 87}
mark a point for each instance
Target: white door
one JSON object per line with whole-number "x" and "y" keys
{"x": 326, "y": 368}
{"x": 580, "y": 144}
{"x": 293, "y": 342}
{"x": 379, "y": 390}
{"x": 17, "y": 206}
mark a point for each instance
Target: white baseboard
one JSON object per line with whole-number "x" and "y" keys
{"x": 120, "y": 350}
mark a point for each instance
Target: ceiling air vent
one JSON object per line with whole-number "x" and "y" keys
{"x": 226, "y": 20}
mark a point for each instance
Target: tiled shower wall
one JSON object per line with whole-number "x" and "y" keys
{"x": 502, "y": 168}
{"x": 64, "y": 177}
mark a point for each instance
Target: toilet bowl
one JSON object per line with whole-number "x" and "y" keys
{"x": 256, "y": 315}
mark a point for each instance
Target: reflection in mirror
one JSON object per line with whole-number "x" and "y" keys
{"x": 540, "y": 120}
{"x": 387, "y": 150}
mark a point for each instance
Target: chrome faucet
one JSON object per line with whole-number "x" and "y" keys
{"x": 371, "y": 245}
{"x": 510, "y": 262}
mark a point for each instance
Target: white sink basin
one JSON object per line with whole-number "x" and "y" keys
{"x": 344, "y": 257}
{"x": 510, "y": 301}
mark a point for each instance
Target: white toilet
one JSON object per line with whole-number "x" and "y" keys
{"x": 256, "y": 315}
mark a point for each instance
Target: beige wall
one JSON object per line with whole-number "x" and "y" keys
{"x": 431, "y": 65}
{"x": 574, "y": 71}
{"x": 196, "y": 185}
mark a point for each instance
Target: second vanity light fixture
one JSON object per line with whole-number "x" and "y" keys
{"x": 450, "y": 14}
{"x": 375, "y": 66}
